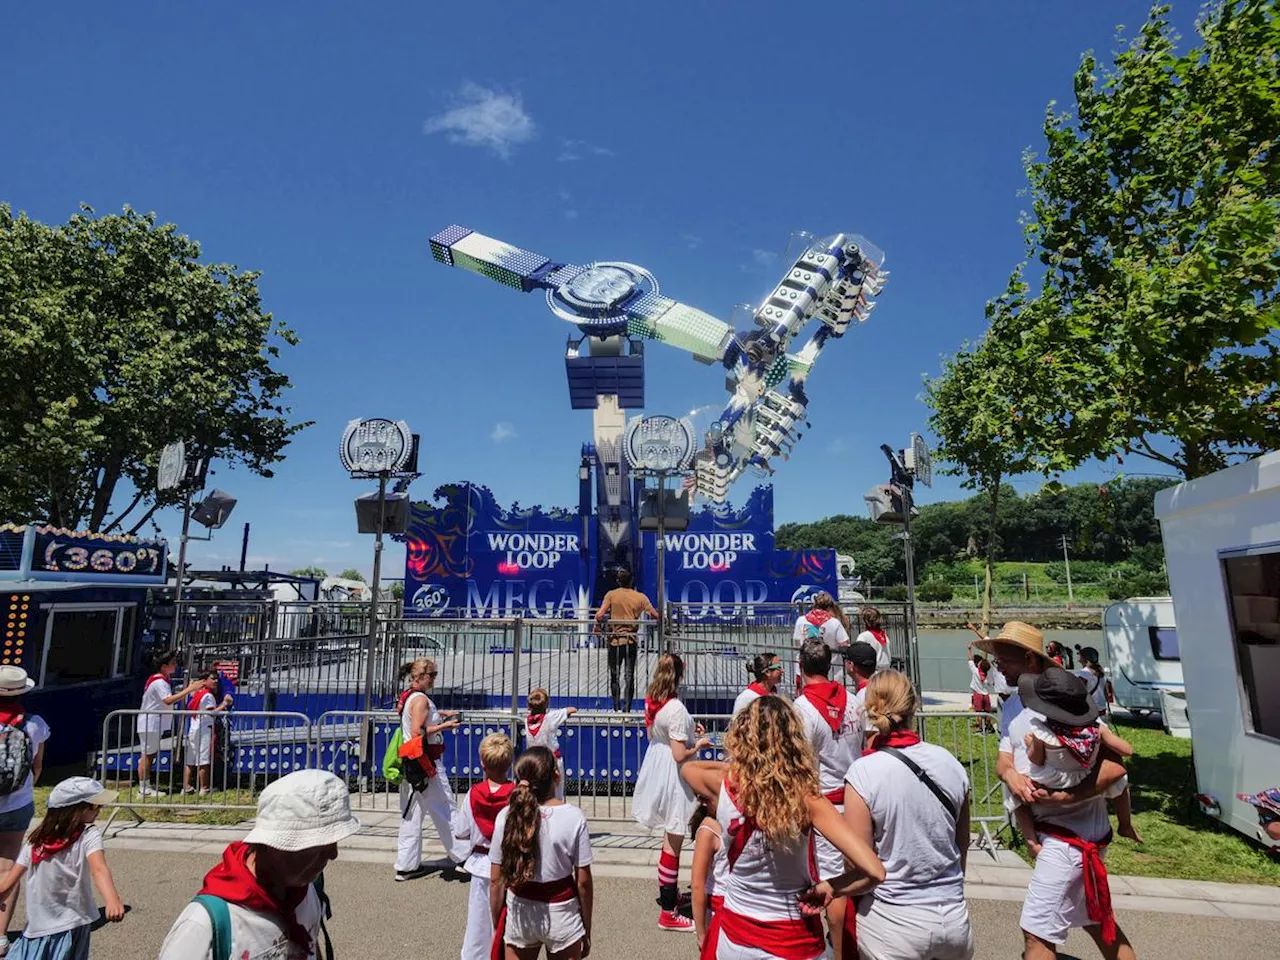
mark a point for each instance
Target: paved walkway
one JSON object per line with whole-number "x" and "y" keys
{"x": 624, "y": 850}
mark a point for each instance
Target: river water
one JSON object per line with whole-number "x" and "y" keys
{"x": 943, "y": 655}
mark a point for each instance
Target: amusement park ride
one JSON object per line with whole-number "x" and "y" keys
{"x": 617, "y": 307}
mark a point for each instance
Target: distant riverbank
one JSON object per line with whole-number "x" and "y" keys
{"x": 955, "y": 618}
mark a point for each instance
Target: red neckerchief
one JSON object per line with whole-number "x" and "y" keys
{"x": 487, "y": 803}
{"x": 897, "y": 739}
{"x": 758, "y": 688}
{"x": 830, "y": 698}
{"x": 234, "y": 882}
{"x": 404, "y": 698}
{"x": 12, "y": 712}
{"x": 194, "y": 703}
{"x": 860, "y": 685}
{"x": 533, "y": 723}
{"x": 1081, "y": 742}
{"x": 882, "y": 638}
{"x": 1097, "y": 888}
{"x": 44, "y": 851}
{"x": 740, "y": 830}
{"x": 817, "y": 617}
{"x": 651, "y": 708}
{"x": 152, "y": 679}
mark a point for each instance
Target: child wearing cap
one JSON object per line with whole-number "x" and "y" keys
{"x": 65, "y": 859}
{"x": 262, "y": 897}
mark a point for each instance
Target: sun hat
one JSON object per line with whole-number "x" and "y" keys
{"x": 1059, "y": 695}
{"x": 1015, "y": 633}
{"x": 307, "y": 808}
{"x": 14, "y": 681}
{"x": 1268, "y": 800}
{"x": 862, "y": 655}
{"x": 75, "y": 790}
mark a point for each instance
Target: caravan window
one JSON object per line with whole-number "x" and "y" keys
{"x": 1253, "y": 589}
{"x": 85, "y": 642}
{"x": 1164, "y": 642}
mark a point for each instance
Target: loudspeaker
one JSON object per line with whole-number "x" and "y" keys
{"x": 214, "y": 509}
{"x": 884, "y": 503}
{"x": 675, "y": 510}
{"x": 395, "y": 515}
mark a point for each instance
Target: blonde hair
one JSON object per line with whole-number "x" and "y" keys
{"x": 772, "y": 772}
{"x": 539, "y": 700}
{"x": 824, "y": 601}
{"x": 891, "y": 701}
{"x": 415, "y": 670}
{"x": 495, "y": 753}
{"x": 665, "y": 682}
{"x": 535, "y": 784}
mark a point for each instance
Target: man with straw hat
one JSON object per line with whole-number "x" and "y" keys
{"x": 262, "y": 900}
{"x": 1068, "y": 886}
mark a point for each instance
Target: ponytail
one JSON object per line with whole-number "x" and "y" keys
{"x": 535, "y": 783}
{"x": 759, "y": 665}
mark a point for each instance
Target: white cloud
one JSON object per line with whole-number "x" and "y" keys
{"x": 692, "y": 241}
{"x": 571, "y": 214}
{"x": 574, "y": 149}
{"x": 484, "y": 118}
{"x": 837, "y": 446}
{"x": 763, "y": 258}
{"x": 502, "y": 432}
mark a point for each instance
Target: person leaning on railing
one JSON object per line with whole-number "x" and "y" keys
{"x": 623, "y": 607}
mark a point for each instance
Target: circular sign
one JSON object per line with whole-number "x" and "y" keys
{"x": 173, "y": 466}
{"x": 375, "y": 446}
{"x": 595, "y": 297}
{"x": 658, "y": 443}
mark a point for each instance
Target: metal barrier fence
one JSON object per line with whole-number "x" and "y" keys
{"x": 602, "y": 754}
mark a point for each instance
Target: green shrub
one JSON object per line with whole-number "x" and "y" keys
{"x": 935, "y": 591}
{"x": 897, "y": 592}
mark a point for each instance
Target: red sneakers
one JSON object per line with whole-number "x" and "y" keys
{"x": 671, "y": 920}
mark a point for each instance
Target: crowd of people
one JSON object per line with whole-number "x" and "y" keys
{"x": 829, "y": 829}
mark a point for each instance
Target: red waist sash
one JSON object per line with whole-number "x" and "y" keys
{"x": 836, "y": 796}
{"x": 553, "y": 891}
{"x": 712, "y": 940}
{"x": 800, "y": 939}
{"x": 1097, "y": 889}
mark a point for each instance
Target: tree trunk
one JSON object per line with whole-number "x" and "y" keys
{"x": 105, "y": 491}
{"x": 990, "y": 557}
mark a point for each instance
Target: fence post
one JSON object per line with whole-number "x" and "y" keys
{"x": 268, "y": 655}
{"x": 517, "y": 641}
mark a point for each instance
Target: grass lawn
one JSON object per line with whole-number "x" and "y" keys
{"x": 152, "y": 813}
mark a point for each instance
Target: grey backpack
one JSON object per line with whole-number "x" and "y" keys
{"x": 15, "y": 756}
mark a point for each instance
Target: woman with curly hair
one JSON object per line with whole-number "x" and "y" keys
{"x": 911, "y": 800}
{"x": 769, "y": 807}
{"x": 661, "y": 798}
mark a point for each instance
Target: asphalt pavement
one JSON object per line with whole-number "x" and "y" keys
{"x": 377, "y": 919}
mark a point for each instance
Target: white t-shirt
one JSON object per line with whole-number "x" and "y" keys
{"x": 672, "y": 722}
{"x": 200, "y": 729}
{"x": 977, "y": 683}
{"x": 153, "y": 699}
{"x": 60, "y": 889}
{"x": 744, "y": 700}
{"x": 468, "y": 838}
{"x": 1088, "y": 819}
{"x": 1011, "y": 707}
{"x": 999, "y": 685}
{"x": 254, "y": 935}
{"x": 915, "y": 835}
{"x": 833, "y": 632}
{"x": 1096, "y": 686}
{"x": 763, "y": 882}
{"x": 835, "y": 752}
{"x": 548, "y": 734}
{"x": 37, "y": 732}
{"x": 883, "y": 660}
{"x": 564, "y": 842}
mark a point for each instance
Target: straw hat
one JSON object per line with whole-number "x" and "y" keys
{"x": 14, "y": 681}
{"x": 1015, "y": 633}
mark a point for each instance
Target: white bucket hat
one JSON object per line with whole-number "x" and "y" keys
{"x": 75, "y": 790}
{"x": 306, "y": 809}
{"x": 14, "y": 681}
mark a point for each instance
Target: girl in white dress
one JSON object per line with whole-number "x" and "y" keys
{"x": 420, "y": 717}
{"x": 662, "y": 800}
{"x": 769, "y": 807}
{"x": 542, "y": 729}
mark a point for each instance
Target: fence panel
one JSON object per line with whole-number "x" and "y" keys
{"x": 974, "y": 740}
{"x": 219, "y": 762}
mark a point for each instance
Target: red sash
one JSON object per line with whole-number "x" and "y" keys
{"x": 651, "y": 708}
{"x": 712, "y": 940}
{"x": 758, "y": 688}
{"x": 830, "y": 698}
{"x": 860, "y": 686}
{"x": 897, "y": 739}
{"x": 486, "y": 804}
{"x": 194, "y": 703}
{"x": 800, "y": 939}
{"x": 1097, "y": 889}
{"x": 404, "y": 696}
{"x": 553, "y": 891}
{"x": 836, "y": 796}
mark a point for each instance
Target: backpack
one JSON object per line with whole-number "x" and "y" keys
{"x": 391, "y": 759}
{"x": 15, "y": 756}
{"x": 220, "y": 918}
{"x": 813, "y": 631}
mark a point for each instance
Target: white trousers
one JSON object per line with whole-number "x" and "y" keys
{"x": 560, "y": 784}
{"x": 479, "y": 936}
{"x": 936, "y": 931}
{"x": 435, "y": 802}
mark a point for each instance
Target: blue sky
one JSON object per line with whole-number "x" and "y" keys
{"x": 323, "y": 143}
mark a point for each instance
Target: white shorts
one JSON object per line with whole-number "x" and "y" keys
{"x": 198, "y": 754}
{"x": 1055, "y": 896}
{"x": 530, "y": 923}
{"x": 888, "y": 931}
{"x": 149, "y": 742}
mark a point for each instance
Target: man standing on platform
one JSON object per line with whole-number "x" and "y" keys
{"x": 623, "y": 607}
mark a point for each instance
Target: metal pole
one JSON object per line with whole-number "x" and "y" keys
{"x": 662, "y": 561}
{"x": 244, "y": 548}
{"x": 367, "y": 736}
{"x": 908, "y": 550}
{"x": 1066, "y": 558}
{"x": 182, "y": 570}
{"x": 517, "y": 641}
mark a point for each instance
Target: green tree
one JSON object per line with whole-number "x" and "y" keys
{"x": 1156, "y": 218}
{"x": 318, "y": 572}
{"x": 117, "y": 340}
{"x": 351, "y": 573}
{"x": 935, "y": 591}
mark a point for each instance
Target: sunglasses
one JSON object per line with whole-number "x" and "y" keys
{"x": 433, "y": 673}
{"x": 776, "y": 668}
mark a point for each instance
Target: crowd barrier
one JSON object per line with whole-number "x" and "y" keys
{"x": 602, "y": 752}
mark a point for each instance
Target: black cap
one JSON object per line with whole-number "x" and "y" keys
{"x": 861, "y": 655}
{"x": 1059, "y": 695}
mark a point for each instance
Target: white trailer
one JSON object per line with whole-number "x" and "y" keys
{"x": 1142, "y": 652}
{"x": 1222, "y": 543}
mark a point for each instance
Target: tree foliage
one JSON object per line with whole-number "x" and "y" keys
{"x": 117, "y": 340}
{"x": 351, "y": 573}
{"x": 1156, "y": 219}
{"x": 318, "y": 572}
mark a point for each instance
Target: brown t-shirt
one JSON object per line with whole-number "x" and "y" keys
{"x": 625, "y": 604}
